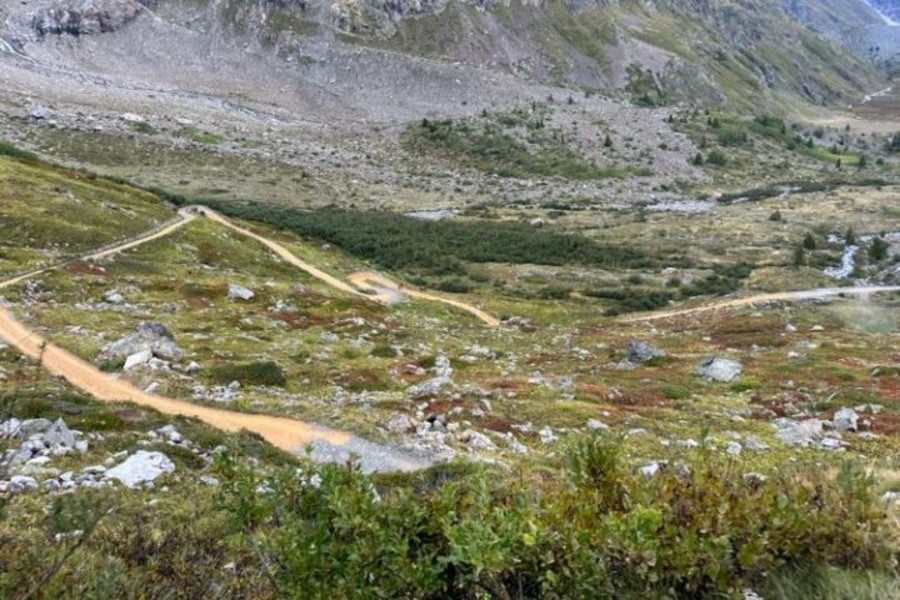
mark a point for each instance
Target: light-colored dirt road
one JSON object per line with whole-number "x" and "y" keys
{"x": 283, "y": 253}
{"x": 289, "y": 434}
{"x": 184, "y": 217}
{"x": 818, "y": 294}
{"x": 366, "y": 278}
{"x": 387, "y": 295}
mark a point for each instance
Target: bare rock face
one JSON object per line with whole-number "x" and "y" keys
{"x": 87, "y": 17}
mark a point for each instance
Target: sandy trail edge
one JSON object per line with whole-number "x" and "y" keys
{"x": 817, "y": 294}
{"x": 365, "y": 277}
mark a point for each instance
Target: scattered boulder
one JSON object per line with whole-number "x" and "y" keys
{"x": 30, "y": 427}
{"x": 132, "y": 118}
{"x": 148, "y": 336}
{"x": 137, "y": 359}
{"x": 547, "y": 435}
{"x": 638, "y": 352}
{"x": 650, "y": 469}
{"x": 141, "y": 467}
{"x": 845, "y": 420}
{"x": 10, "y": 428}
{"x": 59, "y": 436}
{"x": 733, "y": 448}
{"x": 40, "y": 113}
{"x": 443, "y": 373}
{"x": 717, "y": 369}
{"x": 755, "y": 444}
{"x": 239, "y": 292}
{"x": 811, "y": 432}
{"x": 113, "y": 297}
{"x": 595, "y": 425}
{"x": 20, "y": 483}
{"x": 479, "y": 441}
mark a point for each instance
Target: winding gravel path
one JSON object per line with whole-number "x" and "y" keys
{"x": 805, "y": 295}
{"x": 289, "y": 434}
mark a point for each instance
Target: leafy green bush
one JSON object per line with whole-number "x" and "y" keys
{"x": 676, "y": 392}
{"x": 7, "y": 149}
{"x": 254, "y": 373}
{"x": 554, "y": 292}
{"x": 594, "y": 529}
{"x": 454, "y": 286}
{"x": 717, "y": 158}
{"x": 384, "y": 351}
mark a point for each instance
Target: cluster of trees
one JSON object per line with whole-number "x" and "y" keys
{"x": 440, "y": 248}
{"x": 493, "y": 147}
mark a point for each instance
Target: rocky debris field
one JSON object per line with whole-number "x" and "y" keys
{"x": 48, "y": 457}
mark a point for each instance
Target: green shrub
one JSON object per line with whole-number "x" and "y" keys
{"x": 717, "y": 158}
{"x": 554, "y": 292}
{"x": 592, "y": 529}
{"x": 454, "y": 286}
{"x": 676, "y": 392}
{"x": 730, "y": 136}
{"x": 7, "y": 149}
{"x": 112, "y": 365}
{"x": 384, "y": 351}
{"x": 254, "y": 373}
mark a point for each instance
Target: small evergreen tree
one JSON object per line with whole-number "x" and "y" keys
{"x": 809, "y": 242}
{"x": 850, "y": 237}
{"x": 607, "y": 143}
{"x": 697, "y": 160}
{"x": 799, "y": 258}
{"x": 878, "y": 251}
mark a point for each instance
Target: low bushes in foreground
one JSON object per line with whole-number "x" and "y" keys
{"x": 595, "y": 529}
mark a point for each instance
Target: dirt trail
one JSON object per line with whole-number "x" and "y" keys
{"x": 365, "y": 277}
{"x": 283, "y": 253}
{"x": 764, "y": 298}
{"x": 184, "y": 217}
{"x": 360, "y": 280}
{"x": 289, "y": 434}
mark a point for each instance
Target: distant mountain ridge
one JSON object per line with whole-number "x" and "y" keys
{"x": 742, "y": 53}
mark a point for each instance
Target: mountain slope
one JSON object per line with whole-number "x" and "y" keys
{"x": 742, "y": 54}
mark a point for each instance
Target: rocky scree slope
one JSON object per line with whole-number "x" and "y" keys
{"x": 659, "y": 51}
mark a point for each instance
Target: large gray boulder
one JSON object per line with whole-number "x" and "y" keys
{"x": 148, "y": 336}
{"x": 845, "y": 420}
{"x": 443, "y": 373}
{"x": 140, "y": 468}
{"x": 722, "y": 370}
{"x": 59, "y": 436}
{"x": 639, "y": 352}
{"x": 799, "y": 434}
{"x": 239, "y": 292}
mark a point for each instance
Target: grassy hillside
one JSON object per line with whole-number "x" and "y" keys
{"x": 48, "y": 214}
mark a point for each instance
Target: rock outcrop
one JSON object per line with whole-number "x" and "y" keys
{"x": 87, "y": 17}
{"x": 149, "y": 336}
